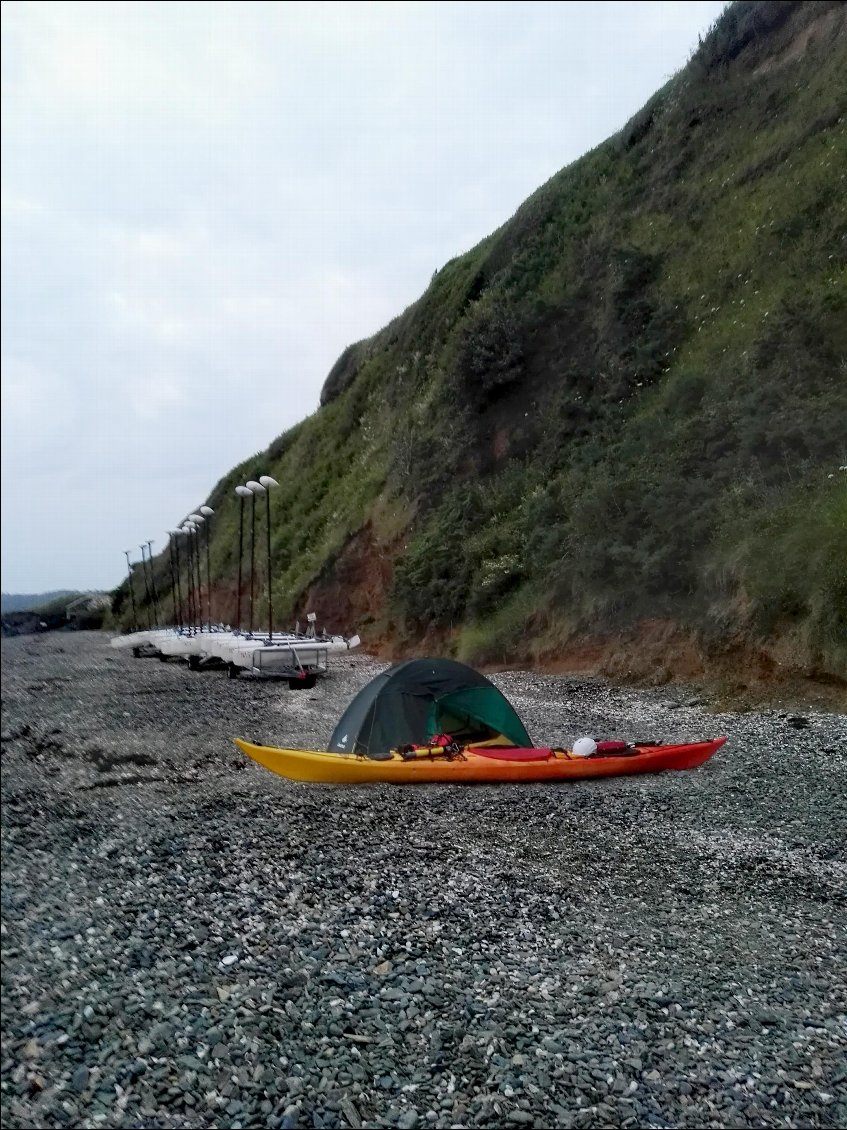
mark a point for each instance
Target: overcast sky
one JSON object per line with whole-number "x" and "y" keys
{"x": 203, "y": 204}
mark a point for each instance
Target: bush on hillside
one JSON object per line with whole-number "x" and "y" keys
{"x": 490, "y": 352}
{"x": 433, "y": 573}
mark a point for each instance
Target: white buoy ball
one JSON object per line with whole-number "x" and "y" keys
{"x": 584, "y": 747}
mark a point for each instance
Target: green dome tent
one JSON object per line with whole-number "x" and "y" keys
{"x": 411, "y": 702}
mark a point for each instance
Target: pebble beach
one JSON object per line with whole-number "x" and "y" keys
{"x": 191, "y": 941}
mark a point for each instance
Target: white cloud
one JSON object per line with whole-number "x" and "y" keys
{"x": 151, "y": 396}
{"x": 36, "y": 402}
{"x": 103, "y": 66}
{"x": 20, "y": 207}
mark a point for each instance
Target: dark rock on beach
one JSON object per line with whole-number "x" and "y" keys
{"x": 190, "y": 941}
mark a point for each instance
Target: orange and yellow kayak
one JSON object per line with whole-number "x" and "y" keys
{"x": 475, "y": 764}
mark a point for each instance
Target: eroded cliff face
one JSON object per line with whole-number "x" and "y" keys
{"x": 736, "y": 671}
{"x": 356, "y": 587}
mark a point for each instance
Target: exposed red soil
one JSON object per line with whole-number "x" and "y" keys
{"x": 352, "y": 596}
{"x": 354, "y": 589}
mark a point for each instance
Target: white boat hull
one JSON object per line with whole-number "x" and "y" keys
{"x": 282, "y": 654}
{"x": 296, "y": 653}
{"x": 150, "y": 638}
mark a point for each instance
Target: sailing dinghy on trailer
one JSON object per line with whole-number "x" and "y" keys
{"x": 148, "y": 640}
{"x": 300, "y": 659}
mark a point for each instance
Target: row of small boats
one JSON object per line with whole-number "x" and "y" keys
{"x": 301, "y": 657}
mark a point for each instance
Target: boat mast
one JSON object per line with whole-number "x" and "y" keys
{"x": 207, "y": 512}
{"x": 131, "y": 593}
{"x": 146, "y": 589}
{"x": 153, "y": 583}
{"x": 199, "y": 521}
{"x": 242, "y": 493}
{"x": 186, "y": 529}
{"x": 255, "y": 488}
{"x": 173, "y": 581}
{"x": 267, "y": 482}
{"x": 175, "y": 536}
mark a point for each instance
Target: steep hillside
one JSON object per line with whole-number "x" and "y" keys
{"x": 615, "y": 432}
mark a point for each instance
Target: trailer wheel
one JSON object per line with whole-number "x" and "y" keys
{"x": 305, "y": 684}
{"x": 194, "y": 663}
{"x": 232, "y": 671}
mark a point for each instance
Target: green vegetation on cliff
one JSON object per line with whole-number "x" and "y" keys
{"x": 629, "y": 402}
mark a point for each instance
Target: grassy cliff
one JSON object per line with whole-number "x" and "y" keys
{"x": 623, "y": 416}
